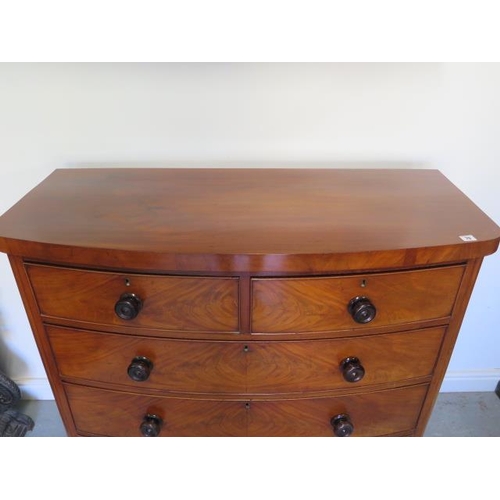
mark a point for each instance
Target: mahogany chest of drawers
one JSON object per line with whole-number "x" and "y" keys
{"x": 246, "y": 302}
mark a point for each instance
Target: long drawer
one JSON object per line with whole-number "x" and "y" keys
{"x": 257, "y": 367}
{"x": 125, "y": 414}
{"x": 372, "y": 414}
{"x": 298, "y": 305}
{"x": 164, "y": 302}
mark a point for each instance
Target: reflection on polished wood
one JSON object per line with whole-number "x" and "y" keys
{"x": 246, "y": 302}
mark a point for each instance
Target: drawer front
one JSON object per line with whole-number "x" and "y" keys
{"x": 168, "y": 302}
{"x": 173, "y": 365}
{"x": 236, "y": 367}
{"x": 323, "y": 365}
{"x": 300, "y": 305}
{"x": 110, "y": 413}
{"x": 375, "y": 414}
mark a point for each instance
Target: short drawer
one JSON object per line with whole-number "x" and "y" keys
{"x": 244, "y": 368}
{"x": 111, "y": 413}
{"x": 301, "y": 305}
{"x": 180, "y": 303}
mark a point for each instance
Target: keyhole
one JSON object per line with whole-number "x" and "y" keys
{"x": 246, "y": 348}
{"x": 127, "y": 282}
{"x": 363, "y": 283}
{"x": 247, "y": 406}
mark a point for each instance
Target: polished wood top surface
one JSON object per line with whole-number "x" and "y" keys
{"x": 247, "y": 220}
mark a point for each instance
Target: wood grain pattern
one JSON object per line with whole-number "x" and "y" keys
{"x": 244, "y": 367}
{"x": 306, "y": 366}
{"x": 297, "y": 305}
{"x": 120, "y": 414}
{"x": 274, "y": 255}
{"x": 178, "y": 365}
{"x": 375, "y": 414}
{"x": 246, "y": 220}
{"x": 170, "y": 303}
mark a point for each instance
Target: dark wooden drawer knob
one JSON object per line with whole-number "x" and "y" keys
{"x": 128, "y": 306}
{"x": 140, "y": 369}
{"x": 342, "y": 425}
{"x": 151, "y": 426}
{"x": 352, "y": 369}
{"x": 361, "y": 309}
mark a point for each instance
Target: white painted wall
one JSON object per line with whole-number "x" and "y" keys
{"x": 444, "y": 116}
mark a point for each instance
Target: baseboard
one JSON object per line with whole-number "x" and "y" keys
{"x": 471, "y": 381}
{"x": 454, "y": 381}
{"x": 35, "y": 388}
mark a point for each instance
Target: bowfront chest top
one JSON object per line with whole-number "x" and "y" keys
{"x": 246, "y": 302}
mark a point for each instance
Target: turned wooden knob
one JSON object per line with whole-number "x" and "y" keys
{"x": 140, "y": 369}
{"x": 361, "y": 309}
{"x": 352, "y": 369}
{"x": 342, "y": 425}
{"x": 151, "y": 425}
{"x": 128, "y": 306}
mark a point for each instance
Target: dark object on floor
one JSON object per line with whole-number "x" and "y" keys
{"x": 12, "y": 422}
{"x": 15, "y": 424}
{"x": 497, "y": 390}
{"x": 9, "y": 393}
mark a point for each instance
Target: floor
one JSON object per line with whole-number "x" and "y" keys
{"x": 464, "y": 414}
